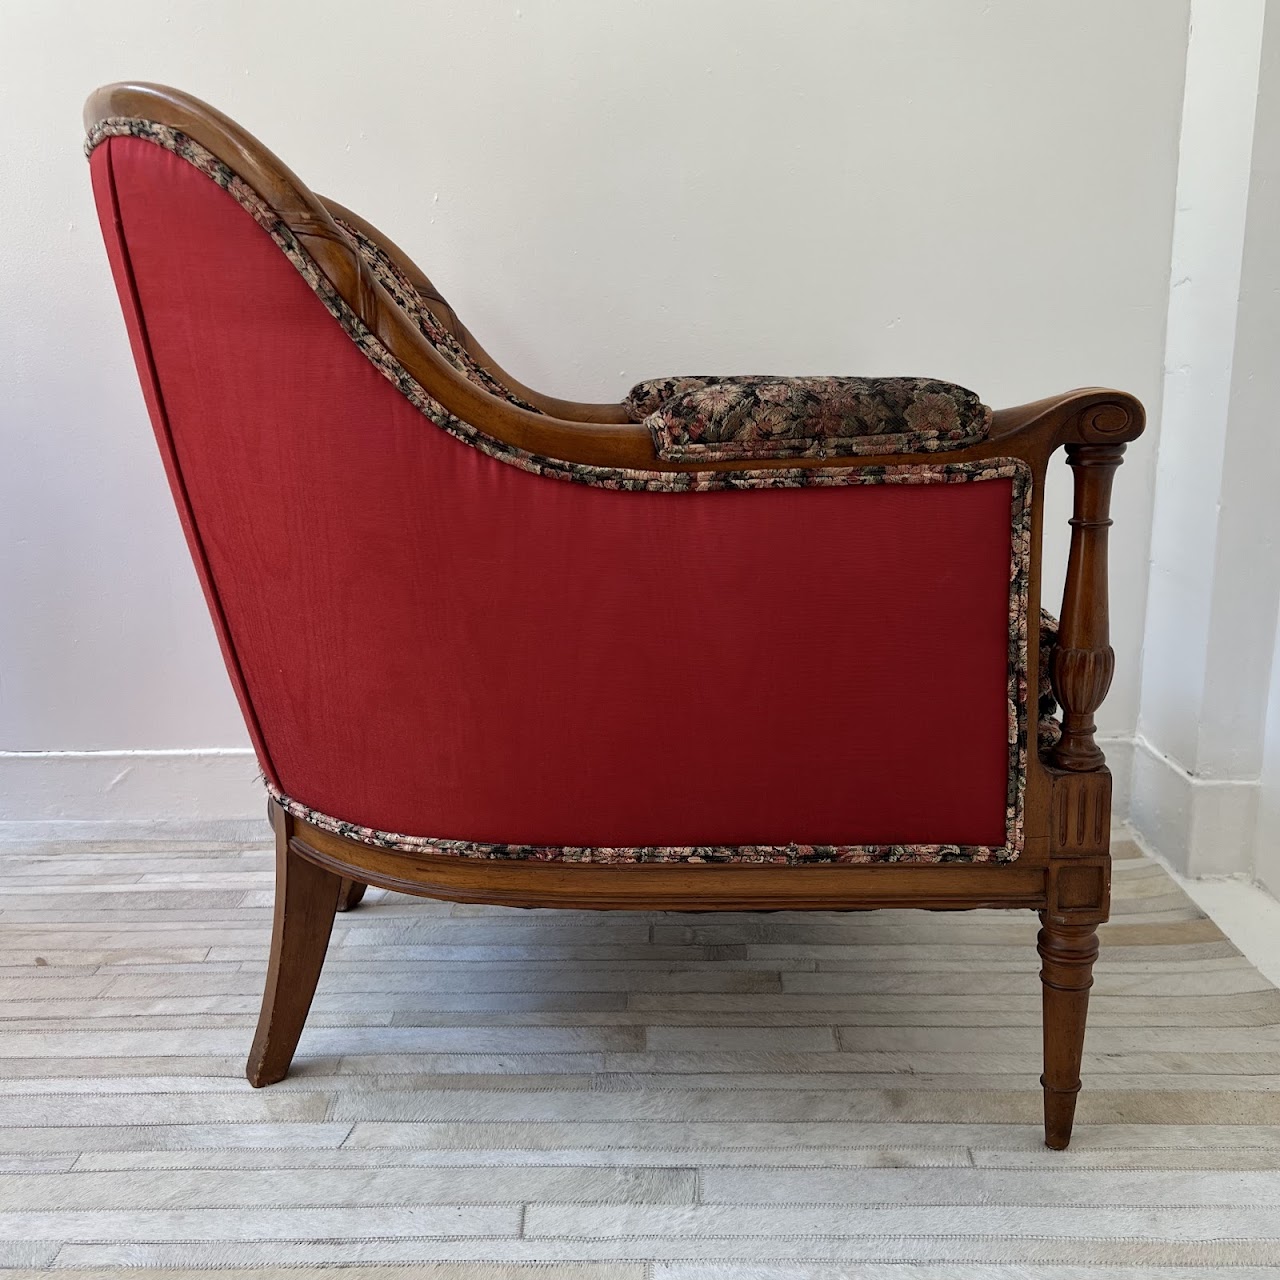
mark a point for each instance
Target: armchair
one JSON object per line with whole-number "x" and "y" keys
{"x": 732, "y": 644}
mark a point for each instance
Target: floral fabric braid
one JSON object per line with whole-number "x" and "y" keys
{"x": 1049, "y": 727}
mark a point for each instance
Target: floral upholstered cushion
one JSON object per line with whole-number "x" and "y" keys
{"x": 760, "y": 416}
{"x": 648, "y": 397}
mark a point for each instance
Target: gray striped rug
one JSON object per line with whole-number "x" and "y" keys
{"x": 705, "y": 1097}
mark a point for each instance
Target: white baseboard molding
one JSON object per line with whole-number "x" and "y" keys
{"x": 211, "y": 794}
{"x": 1200, "y": 826}
{"x": 186, "y": 795}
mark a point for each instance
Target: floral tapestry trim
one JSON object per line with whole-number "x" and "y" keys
{"x": 390, "y": 276}
{"x": 757, "y": 416}
{"x": 620, "y": 478}
{"x": 637, "y": 479}
{"x": 1049, "y": 727}
{"x": 792, "y": 854}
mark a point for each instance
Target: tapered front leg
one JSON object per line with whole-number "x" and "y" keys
{"x": 306, "y": 900}
{"x": 1067, "y": 953}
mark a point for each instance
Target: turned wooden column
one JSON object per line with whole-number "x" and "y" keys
{"x": 1083, "y": 660}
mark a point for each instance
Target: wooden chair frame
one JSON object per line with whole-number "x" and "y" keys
{"x": 1063, "y": 871}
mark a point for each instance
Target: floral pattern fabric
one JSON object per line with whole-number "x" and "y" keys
{"x": 648, "y": 397}
{"x": 1049, "y": 727}
{"x": 759, "y": 416}
{"x": 388, "y": 274}
{"x": 639, "y": 479}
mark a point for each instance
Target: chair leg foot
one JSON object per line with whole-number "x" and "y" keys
{"x": 306, "y": 899}
{"x": 350, "y": 894}
{"x": 1067, "y": 953}
{"x": 1059, "y": 1115}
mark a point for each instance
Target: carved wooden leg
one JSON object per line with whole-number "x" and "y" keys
{"x": 306, "y": 899}
{"x": 1067, "y": 953}
{"x": 350, "y": 894}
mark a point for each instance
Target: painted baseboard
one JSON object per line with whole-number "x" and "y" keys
{"x": 1200, "y": 826}
{"x": 212, "y": 794}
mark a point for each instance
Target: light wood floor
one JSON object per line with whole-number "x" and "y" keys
{"x": 638, "y": 1097}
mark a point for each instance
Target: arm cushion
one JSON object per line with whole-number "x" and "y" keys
{"x": 720, "y": 419}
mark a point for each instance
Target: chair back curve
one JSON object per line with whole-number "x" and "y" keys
{"x": 434, "y": 632}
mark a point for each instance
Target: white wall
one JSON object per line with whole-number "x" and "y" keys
{"x": 1215, "y": 576}
{"x": 1258, "y": 404}
{"x": 979, "y": 190}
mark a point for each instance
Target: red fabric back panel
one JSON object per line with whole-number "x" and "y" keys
{"x": 430, "y": 641}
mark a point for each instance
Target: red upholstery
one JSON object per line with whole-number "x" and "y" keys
{"x": 427, "y": 640}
